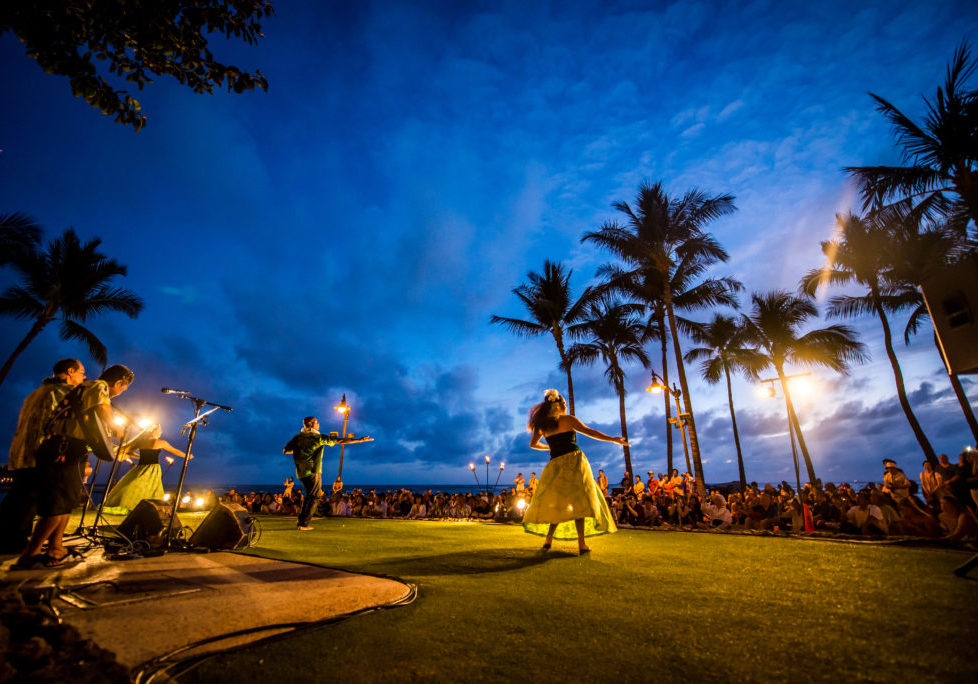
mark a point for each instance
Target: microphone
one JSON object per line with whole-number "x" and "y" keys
{"x": 167, "y": 390}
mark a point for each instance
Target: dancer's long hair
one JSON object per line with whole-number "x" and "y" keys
{"x": 543, "y": 416}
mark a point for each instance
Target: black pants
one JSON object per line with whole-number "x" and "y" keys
{"x": 314, "y": 489}
{"x": 17, "y": 510}
{"x": 61, "y": 468}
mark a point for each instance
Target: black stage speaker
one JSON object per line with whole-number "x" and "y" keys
{"x": 952, "y": 301}
{"x": 147, "y": 522}
{"x": 227, "y": 526}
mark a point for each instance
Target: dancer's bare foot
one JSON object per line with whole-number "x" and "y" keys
{"x": 584, "y": 549}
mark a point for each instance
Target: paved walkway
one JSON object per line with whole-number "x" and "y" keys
{"x": 144, "y": 608}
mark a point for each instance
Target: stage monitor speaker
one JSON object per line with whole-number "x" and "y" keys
{"x": 951, "y": 297}
{"x": 227, "y": 526}
{"x": 147, "y": 522}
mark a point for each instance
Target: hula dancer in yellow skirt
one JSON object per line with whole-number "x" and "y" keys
{"x": 567, "y": 503}
{"x": 145, "y": 479}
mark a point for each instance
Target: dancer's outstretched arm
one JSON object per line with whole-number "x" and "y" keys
{"x": 594, "y": 434}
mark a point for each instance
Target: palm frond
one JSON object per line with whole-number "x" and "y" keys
{"x": 519, "y": 327}
{"x": 849, "y": 306}
{"x": 20, "y": 303}
{"x": 70, "y": 330}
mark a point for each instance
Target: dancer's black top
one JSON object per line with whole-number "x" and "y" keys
{"x": 561, "y": 443}
{"x": 149, "y": 457}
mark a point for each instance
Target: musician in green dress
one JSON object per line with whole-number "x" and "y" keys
{"x": 145, "y": 479}
{"x": 567, "y": 503}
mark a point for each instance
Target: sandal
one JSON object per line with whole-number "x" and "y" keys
{"x": 54, "y": 562}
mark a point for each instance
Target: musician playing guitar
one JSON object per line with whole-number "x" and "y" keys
{"x": 62, "y": 457}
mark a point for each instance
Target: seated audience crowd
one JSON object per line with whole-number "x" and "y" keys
{"x": 942, "y": 504}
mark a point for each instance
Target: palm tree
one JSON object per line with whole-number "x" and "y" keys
{"x": 548, "y": 300}
{"x": 666, "y": 235}
{"x": 773, "y": 327}
{"x": 645, "y": 286}
{"x": 616, "y": 335}
{"x": 941, "y": 175}
{"x": 858, "y": 254}
{"x": 68, "y": 282}
{"x": 725, "y": 350}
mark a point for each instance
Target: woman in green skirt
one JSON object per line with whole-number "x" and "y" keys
{"x": 567, "y": 503}
{"x": 145, "y": 479}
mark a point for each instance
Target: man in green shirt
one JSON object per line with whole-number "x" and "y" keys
{"x": 307, "y": 451}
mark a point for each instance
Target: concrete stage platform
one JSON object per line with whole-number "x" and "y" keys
{"x": 148, "y": 607}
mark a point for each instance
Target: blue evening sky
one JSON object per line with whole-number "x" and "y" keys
{"x": 353, "y": 229}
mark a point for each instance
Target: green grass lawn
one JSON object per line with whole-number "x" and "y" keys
{"x": 644, "y": 606}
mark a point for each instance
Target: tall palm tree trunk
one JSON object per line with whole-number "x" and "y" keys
{"x": 898, "y": 377}
{"x": 969, "y": 414}
{"x": 565, "y": 363}
{"x": 624, "y": 431}
{"x": 733, "y": 420}
{"x": 694, "y": 444}
{"x": 665, "y": 381}
{"x": 793, "y": 419}
{"x": 31, "y": 334}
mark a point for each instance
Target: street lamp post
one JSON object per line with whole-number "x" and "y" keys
{"x": 766, "y": 390}
{"x": 680, "y": 420}
{"x": 343, "y": 408}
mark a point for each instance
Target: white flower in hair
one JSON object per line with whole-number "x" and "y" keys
{"x": 551, "y": 395}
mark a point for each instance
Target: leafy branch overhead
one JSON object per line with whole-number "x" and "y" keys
{"x": 92, "y": 41}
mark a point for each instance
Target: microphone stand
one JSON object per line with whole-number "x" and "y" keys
{"x": 198, "y": 419}
{"x": 112, "y": 472}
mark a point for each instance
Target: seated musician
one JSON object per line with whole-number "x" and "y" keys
{"x": 61, "y": 460}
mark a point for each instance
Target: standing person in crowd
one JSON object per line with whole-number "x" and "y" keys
{"x": 520, "y": 483}
{"x": 145, "y": 479}
{"x": 567, "y": 490}
{"x": 19, "y": 507}
{"x": 61, "y": 460}
{"x": 931, "y": 482}
{"x": 895, "y": 481}
{"x": 639, "y": 487}
{"x": 603, "y": 482}
{"x": 531, "y": 485}
{"x": 652, "y": 485}
{"x": 306, "y": 448}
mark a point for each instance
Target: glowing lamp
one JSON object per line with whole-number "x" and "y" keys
{"x": 472, "y": 467}
{"x": 186, "y": 499}
{"x": 169, "y": 461}
{"x": 119, "y": 420}
{"x": 654, "y": 388}
{"x": 342, "y": 407}
{"x": 144, "y": 423}
{"x": 199, "y": 501}
{"x": 521, "y": 504}
{"x": 502, "y": 465}
{"x": 166, "y": 497}
{"x": 802, "y": 386}
{"x": 487, "y": 459}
